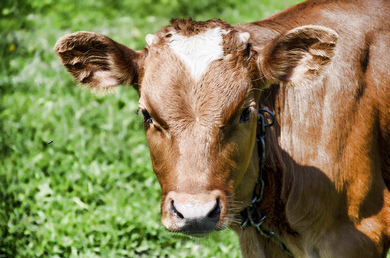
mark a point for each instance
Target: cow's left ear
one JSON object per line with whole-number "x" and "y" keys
{"x": 299, "y": 55}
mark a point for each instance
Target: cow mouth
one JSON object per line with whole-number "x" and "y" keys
{"x": 197, "y": 234}
{"x": 200, "y": 234}
{"x": 197, "y": 231}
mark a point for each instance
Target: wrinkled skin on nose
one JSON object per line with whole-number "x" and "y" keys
{"x": 193, "y": 213}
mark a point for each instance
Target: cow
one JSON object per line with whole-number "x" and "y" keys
{"x": 278, "y": 129}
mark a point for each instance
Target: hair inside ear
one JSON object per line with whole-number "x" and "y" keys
{"x": 98, "y": 62}
{"x": 300, "y": 55}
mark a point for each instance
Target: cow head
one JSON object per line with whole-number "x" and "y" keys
{"x": 199, "y": 85}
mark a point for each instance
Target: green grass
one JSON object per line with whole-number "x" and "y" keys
{"x": 92, "y": 192}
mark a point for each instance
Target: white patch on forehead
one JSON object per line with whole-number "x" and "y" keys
{"x": 199, "y": 50}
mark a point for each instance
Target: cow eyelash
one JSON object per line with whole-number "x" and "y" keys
{"x": 147, "y": 117}
{"x": 245, "y": 115}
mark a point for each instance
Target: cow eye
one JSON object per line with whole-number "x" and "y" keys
{"x": 147, "y": 117}
{"x": 245, "y": 115}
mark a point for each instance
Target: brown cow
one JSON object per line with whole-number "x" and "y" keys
{"x": 322, "y": 67}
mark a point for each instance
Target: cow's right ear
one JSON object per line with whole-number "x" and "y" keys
{"x": 98, "y": 62}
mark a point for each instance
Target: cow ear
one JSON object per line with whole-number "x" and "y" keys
{"x": 298, "y": 56}
{"x": 98, "y": 62}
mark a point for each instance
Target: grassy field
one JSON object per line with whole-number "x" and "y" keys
{"x": 92, "y": 191}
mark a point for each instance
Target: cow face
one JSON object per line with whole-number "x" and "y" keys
{"x": 199, "y": 84}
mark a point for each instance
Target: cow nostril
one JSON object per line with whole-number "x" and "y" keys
{"x": 175, "y": 211}
{"x": 215, "y": 213}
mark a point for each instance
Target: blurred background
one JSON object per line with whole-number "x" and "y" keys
{"x": 75, "y": 173}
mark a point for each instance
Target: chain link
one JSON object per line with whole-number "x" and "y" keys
{"x": 250, "y": 216}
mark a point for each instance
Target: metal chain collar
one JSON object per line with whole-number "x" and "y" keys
{"x": 250, "y": 216}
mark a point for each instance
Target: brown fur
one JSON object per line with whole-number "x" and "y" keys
{"x": 323, "y": 68}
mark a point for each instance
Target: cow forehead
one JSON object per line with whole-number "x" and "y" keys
{"x": 199, "y": 50}
{"x": 182, "y": 101}
{"x": 195, "y": 77}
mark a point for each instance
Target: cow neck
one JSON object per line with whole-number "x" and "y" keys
{"x": 250, "y": 216}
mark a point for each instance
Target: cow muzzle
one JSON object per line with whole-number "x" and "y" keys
{"x": 194, "y": 214}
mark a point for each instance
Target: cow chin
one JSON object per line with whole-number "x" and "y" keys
{"x": 195, "y": 214}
